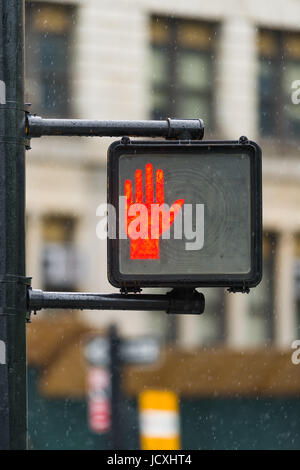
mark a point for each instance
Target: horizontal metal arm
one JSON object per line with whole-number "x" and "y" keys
{"x": 176, "y": 301}
{"x": 170, "y": 128}
{"x": 73, "y": 300}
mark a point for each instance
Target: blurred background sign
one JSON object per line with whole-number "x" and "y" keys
{"x": 143, "y": 350}
{"x": 105, "y": 357}
{"x": 97, "y": 351}
{"x": 99, "y": 408}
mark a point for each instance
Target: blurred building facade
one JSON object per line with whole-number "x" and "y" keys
{"x": 230, "y": 63}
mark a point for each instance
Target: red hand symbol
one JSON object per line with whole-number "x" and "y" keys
{"x": 146, "y": 216}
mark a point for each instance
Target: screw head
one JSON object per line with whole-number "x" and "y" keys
{"x": 125, "y": 140}
{"x": 243, "y": 139}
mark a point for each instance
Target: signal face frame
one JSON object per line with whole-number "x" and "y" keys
{"x": 235, "y": 281}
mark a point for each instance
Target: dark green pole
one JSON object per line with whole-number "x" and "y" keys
{"x": 13, "y": 399}
{"x": 116, "y": 395}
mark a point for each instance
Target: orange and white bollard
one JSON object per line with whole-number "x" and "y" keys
{"x": 159, "y": 420}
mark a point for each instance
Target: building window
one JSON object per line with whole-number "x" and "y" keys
{"x": 60, "y": 263}
{"x": 49, "y": 57}
{"x": 182, "y": 59}
{"x": 261, "y": 298}
{"x": 279, "y": 67}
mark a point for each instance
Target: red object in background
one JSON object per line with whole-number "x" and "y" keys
{"x": 147, "y": 245}
{"x": 99, "y": 414}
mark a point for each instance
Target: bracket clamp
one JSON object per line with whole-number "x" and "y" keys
{"x": 186, "y": 300}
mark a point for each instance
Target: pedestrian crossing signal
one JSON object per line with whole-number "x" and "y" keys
{"x": 184, "y": 213}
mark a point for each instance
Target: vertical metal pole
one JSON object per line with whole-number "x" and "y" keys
{"x": 13, "y": 408}
{"x": 116, "y": 399}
